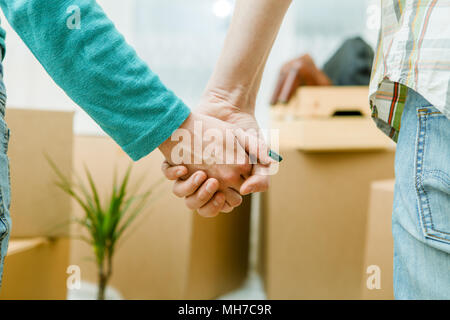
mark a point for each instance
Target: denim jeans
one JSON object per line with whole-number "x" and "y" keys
{"x": 421, "y": 212}
{"x": 5, "y": 188}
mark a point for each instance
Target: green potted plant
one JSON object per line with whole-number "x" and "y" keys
{"x": 105, "y": 221}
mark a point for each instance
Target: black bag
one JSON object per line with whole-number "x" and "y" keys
{"x": 351, "y": 65}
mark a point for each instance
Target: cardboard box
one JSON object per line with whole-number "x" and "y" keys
{"x": 319, "y": 118}
{"x": 379, "y": 244}
{"x": 35, "y": 269}
{"x": 171, "y": 253}
{"x": 314, "y": 214}
{"x": 38, "y": 206}
{"x": 320, "y": 101}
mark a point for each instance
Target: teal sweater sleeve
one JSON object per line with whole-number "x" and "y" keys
{"x": 99, "y": 71}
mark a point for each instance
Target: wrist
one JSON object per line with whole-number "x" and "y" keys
{"x": 167, "y": 146}
{"x": 230, "y": 99}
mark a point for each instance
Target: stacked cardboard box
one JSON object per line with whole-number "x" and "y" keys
{"x": 314, "y": 215}
{"x": 36, "y": 266}
{"x": 171, "y": 252}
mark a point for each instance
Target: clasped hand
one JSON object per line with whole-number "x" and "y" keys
{"x": 229, "y": 160}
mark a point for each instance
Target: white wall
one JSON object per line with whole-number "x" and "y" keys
{"x": 180, "y": 40}
{"x": 29, "y": 86}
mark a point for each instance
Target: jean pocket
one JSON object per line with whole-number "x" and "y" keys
{"x": 4, "y": 136}
{"x": 433, "y": 174}
{"x": 5, "y": 186}
{"x": 4, "y": 224}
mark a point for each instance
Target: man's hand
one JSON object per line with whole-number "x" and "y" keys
{"x": 227, "y": 168}
{"x": 234, "y": 84}
{"x": 220, "y": 105}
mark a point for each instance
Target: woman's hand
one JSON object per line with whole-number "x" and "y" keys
{"x": 201, "y": 192}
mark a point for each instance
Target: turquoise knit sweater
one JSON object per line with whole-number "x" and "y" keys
{"x": 98, "y": 70}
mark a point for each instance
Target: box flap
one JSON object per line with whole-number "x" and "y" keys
{"x": 328, "y": 135}
{"x": 320, "y": 102}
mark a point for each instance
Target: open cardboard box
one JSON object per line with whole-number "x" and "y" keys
{"x": 314, "y": 214}
{"x": 324, "y": 119}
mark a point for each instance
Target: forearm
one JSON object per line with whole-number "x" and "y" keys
{"x": 97, "y": 68}
{"x": 239, "y": 70}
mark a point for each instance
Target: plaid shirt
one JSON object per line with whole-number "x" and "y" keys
{"x": 413, "y": 52}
